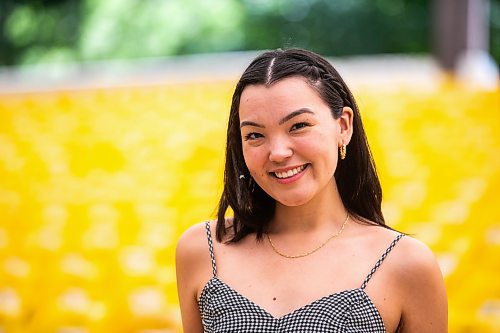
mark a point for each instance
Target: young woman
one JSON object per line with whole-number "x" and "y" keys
{"x": 307, "y": 248}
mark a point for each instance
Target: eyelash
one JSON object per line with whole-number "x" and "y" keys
{"x": 301, "y": 124}
{"x": 249, "y": 136}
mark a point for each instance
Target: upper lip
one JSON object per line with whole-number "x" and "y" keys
{"x": 287, "y": 168}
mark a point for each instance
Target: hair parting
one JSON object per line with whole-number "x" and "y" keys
{"x": 270, "y": 71}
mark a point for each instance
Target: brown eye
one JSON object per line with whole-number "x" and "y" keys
{"x": 298, "y": 126}
{"x": 252, "y": 136}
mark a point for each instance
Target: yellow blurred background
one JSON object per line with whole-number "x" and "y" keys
{"x": 97, "y": 184}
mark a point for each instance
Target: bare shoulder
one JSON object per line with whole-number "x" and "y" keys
{"x": 415, "y": 260}
{"x": 192, "y": 246}
{"x": 192, "y": 262}
{"x": 421, "y": 285}
{"x": 412, "y": 262}
{"x": 410, "y": 255}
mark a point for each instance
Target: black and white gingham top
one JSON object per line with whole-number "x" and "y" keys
{"x": 351, "y": 311}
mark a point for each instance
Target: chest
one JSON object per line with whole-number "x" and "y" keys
{"x": 275, "y": 287}
{"x": 225, "y": 310}
{"x": 281, "y": 285}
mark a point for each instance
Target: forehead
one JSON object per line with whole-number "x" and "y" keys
{"x": 286, "y": 95}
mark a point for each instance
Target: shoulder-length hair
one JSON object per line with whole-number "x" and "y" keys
{"x": 356, "y": 176}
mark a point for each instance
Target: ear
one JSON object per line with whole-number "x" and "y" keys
{"x": 345, "y": 122}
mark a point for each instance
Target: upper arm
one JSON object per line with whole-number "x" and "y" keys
{"x": 425, "y": 308}
{"x": 192, "y": 261}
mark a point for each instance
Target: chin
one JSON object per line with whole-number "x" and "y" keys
{"x": 293, "y": 201}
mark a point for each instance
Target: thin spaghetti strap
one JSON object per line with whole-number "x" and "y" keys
{"x": 379, "y": 262}
{"x": 211, "y": 248}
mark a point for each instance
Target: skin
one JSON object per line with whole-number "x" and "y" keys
{"x": 284, "y": 126}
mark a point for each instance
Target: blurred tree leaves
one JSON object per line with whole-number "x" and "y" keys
{"x": 132, "y": 28}
{"x": 54, "y": 31}
{"x": 340, "y": 27}
{"x": 40, "y": 31}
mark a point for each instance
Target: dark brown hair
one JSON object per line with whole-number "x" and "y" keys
{"x": 356, "y": 176}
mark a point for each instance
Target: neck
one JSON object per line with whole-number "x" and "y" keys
{"x": 323, "y": 211}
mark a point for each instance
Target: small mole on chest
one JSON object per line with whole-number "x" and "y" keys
{"x": 274, "y": 298}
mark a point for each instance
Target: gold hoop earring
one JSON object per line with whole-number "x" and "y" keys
{"x": 343, "y": 151}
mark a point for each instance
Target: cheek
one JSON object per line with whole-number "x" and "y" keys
{"x": 321, "y": 149}
{"x": 320, "y": 144}
{"x": 253, "y": 158}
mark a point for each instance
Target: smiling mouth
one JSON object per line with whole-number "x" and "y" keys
{"x": 289, "y": 173}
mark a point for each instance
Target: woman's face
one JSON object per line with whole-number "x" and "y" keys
{"x": 290, "y": 139}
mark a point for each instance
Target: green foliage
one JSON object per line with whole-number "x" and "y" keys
{"x": 41, "y": 31}
{"x": 132, "y": 28}
{"x": 341, "y": 27}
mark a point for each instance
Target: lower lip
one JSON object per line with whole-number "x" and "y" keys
{"x": 293, "y": 178}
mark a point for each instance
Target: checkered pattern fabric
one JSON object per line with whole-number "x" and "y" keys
{"x": 223, "y": 309}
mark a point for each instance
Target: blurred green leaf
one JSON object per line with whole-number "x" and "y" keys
{"x": 71, "y": 30}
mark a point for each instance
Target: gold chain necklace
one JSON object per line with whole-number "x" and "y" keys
{"x": 312, "y": 251}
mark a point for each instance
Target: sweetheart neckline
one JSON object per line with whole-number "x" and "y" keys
{"x": 308, "y": 305}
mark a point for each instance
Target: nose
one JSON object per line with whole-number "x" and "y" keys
{"x": 280, "y": 150}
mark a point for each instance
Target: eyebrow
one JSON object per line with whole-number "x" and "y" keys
{"x": 282, "y": 121}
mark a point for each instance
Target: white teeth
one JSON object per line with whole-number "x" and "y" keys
{"x": 290, "y": 173}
